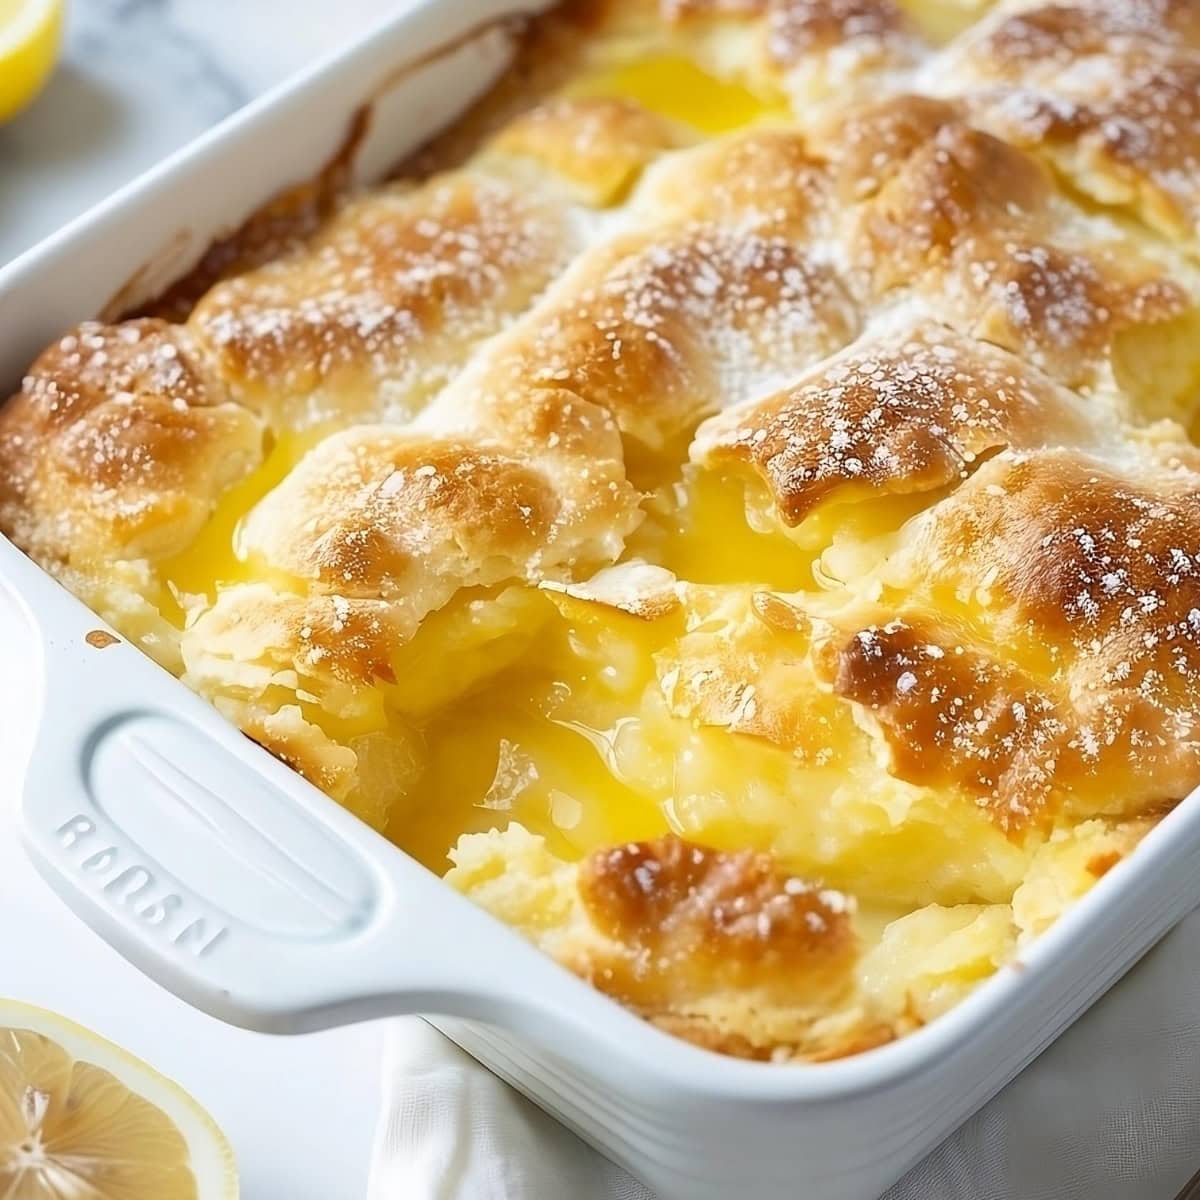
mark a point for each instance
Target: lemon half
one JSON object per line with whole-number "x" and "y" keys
{"x": 30, "y": 32}
{"x": 82, "y": 1118}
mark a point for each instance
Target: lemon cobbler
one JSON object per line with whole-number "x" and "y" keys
{"x": 729, "y": 504}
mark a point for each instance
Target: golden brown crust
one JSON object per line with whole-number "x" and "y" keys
{"x": 815, "y": 49}
{"x": 1073, "y": 546}
{"x": 977, "y": 227}
{"x": 1108, "y": 92}
{"x": 694, "y": 921}
{"x": 412, "y": 517}
{"x": 596, "y": 145}
{"x": 730, "y": 950}
{"x": 1090, "y": 572}
{"x": 1042, "y": 32}
{"x": 868, "y": 34}
{"x": 333, "y": 637}
{"x": 766, "y": 180}
{"x": 869, "y": 143}
{"x": 662, "y": 328}
{"x": 366, "y": 319}
{"x": 954, "y": 717}
{"x": 120, "y": 441}
{"x": 910, "y": 411}
{"x": 369, "y": 508}
{"x": 799, "y": 28}
{"x": 674, "y": 10}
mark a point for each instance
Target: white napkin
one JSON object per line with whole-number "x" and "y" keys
{"x": 1110, "y": 1112}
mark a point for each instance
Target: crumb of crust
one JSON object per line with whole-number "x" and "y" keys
{"x": 708, "y": 1034}
{"x": 743, "y": 665}
{"x": 858, "y": 1042}
{"x": 779, "y": 613}
{"x": 641, "y": 589}
{"x": 1101, "y": 864}
{"x": 101, "y": 639}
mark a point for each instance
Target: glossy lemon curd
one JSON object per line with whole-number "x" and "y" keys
{"x": 677, "y": 88}
{"x": 521, "y": 701}
{"x": 697, "y": 528}
{"x": 214, "y": 559}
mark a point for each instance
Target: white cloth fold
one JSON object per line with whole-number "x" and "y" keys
{"x": 1110, "y": 1112}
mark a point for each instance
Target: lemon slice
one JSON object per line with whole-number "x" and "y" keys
{"x": 30, "y": 31}
{"x": 82, "y": 1119}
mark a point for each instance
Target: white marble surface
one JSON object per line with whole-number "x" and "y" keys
{"x": 139, "y": 78}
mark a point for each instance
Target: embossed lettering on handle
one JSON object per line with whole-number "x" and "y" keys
{"x": 127, "y": 883}
{"x": 234, "y": 841}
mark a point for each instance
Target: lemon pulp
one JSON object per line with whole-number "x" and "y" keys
{"x": 71, "y": 1128}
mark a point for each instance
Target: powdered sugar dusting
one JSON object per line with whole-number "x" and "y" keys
{"x": 902, "y": 412}
{"x": 1111, "y": 91}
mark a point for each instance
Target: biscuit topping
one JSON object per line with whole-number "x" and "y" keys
{"x": 733, "y": 496}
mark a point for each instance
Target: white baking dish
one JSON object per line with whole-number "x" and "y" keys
{"x": 241, "y": 888}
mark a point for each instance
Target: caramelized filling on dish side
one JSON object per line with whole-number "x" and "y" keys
{"x": 730, "y": 505}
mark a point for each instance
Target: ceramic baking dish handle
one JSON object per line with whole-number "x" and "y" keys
{"x": 229, "y": 879}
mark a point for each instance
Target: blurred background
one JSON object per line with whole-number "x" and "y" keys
{"x": 138, "y": 79}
